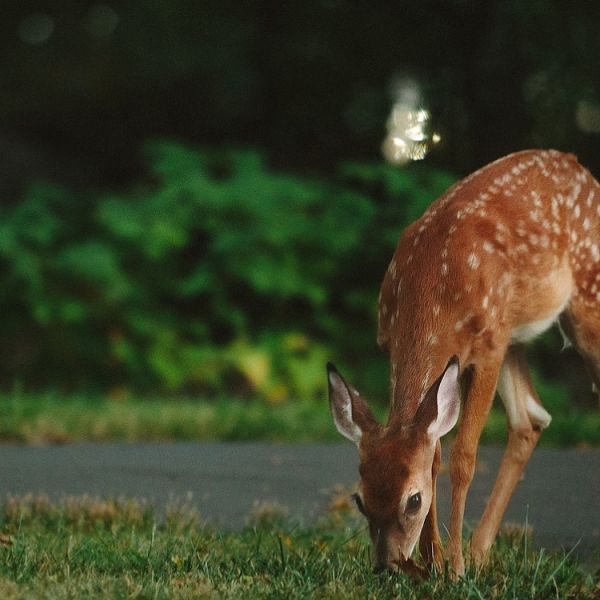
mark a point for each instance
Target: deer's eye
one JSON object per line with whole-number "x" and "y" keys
{"x": 414, "y": 503}
{"x": 359, "y": 503}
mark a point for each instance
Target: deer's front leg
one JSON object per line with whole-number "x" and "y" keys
{"x": 525, "y": 425}
{"x": 430, "y": 545}
{"x": 475, "y": 409}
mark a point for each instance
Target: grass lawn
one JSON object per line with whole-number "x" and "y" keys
{"x": 52, "y": 418}
{"x": 91, "y": 548}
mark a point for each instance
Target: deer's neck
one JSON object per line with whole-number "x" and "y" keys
{"x": 413, "y": 371}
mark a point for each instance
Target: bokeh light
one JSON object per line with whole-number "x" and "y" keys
{"x": 587, "y": 116}
{"x": 101, "y": 21}
{"x": 36, "y": 29}
{"x": 409, "y": 134}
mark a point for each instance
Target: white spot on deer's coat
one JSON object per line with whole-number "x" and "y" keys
{"x": 485, "y": 302}
{"x": 473, "y": 261}
{"x": 590, "y": 198}
{"x": 488, "y": 247}
{"x": 503, "y": 180}
{"x": 444, "y": 269}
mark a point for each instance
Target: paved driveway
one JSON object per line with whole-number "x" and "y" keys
{"x": 560, "y": 494}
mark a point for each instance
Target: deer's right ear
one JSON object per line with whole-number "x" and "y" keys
{"x": 438, "y": 411}
{"x": 350, "y": 414}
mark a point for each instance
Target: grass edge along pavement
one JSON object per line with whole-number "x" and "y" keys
{"x": 107, "y": 548}
{"x": 53, "y": 418}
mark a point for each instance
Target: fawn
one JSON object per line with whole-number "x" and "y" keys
{"x": 492, "y": 263}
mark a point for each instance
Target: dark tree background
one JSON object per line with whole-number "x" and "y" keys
{"x": 84, "y": 83}
{"x": 121, "y": 266}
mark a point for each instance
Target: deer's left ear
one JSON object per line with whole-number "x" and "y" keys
{"x": 351, "y": 415}
{"x": 438, "y": 413}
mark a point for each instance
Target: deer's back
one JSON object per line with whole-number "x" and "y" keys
{"x": 502, "y": 251}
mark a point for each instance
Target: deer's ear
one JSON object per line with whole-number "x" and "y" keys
{"x": 351, "y": 415}
{"x": 438, "y": 413}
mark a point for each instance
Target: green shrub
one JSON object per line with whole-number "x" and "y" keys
{"x": 213, "y": 274}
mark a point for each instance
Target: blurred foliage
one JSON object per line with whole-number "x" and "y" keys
{"x": 214, "y": 273}
{"x": 50, "y": 417}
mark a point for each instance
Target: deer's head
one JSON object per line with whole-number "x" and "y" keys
{"x": 396, "y": 478}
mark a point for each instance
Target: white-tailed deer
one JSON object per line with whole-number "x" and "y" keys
{"x": 495, "y": 261}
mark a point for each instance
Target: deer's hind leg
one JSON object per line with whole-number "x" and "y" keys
{"x": 526, "y": 419}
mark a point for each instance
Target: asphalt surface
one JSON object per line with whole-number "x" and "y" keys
{"x": 559, "y": 495}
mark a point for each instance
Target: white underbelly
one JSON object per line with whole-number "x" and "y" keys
{"x": 556, "y": 290}
{"x": 528, "y": 331}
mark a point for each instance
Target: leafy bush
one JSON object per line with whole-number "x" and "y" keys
{"x": 214, "y": 273}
